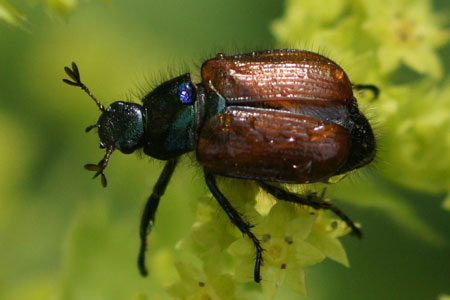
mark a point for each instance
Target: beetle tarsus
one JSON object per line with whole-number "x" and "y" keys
{"x": 311, "y": 200}
{"x": 148, "y": 216}
{"x": 237, "y": 220}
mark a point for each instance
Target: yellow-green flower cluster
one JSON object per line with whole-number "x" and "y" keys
{"x": 292, "y": 237}
{"x": 393, "y": 44}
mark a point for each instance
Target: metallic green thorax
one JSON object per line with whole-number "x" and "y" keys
{"x": 170, "y": 125}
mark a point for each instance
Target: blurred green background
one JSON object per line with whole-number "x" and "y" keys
{"x": 62, "y": 236}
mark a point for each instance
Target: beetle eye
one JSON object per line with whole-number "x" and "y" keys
{"x": 186, "y": 93}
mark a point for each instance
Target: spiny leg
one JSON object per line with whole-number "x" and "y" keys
{"x": 148, "y": 216}
{"x": 311, "y": 200}
{"x": 237, "y": 220}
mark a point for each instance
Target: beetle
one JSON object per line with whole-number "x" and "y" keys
{"x": 274, "y": 116}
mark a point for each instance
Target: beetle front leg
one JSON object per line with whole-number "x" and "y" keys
{"x": 148, "y": 216}
{"x": 311, "y": 200}
{"x": 237, "y": 220}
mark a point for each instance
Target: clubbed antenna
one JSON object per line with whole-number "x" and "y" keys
{"x": 74, "y": 74}
{"x": 101, "y": 166}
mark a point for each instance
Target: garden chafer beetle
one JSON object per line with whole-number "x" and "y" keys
{"x": 275, "y": 116}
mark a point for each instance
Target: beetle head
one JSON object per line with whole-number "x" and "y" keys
{"x": 120, "y": 126}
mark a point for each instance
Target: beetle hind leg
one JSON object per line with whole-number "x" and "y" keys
{"x": 369, "y": 87}
{"x": 313, "y": 201}
{"x": 237, "y": 220}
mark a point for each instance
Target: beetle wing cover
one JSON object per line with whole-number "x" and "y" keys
{"x": 272, "y": 145}
{"x": 278, "y": 75}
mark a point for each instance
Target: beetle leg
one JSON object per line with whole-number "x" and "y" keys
{"x": 373, "y": 88}
{"x": 311, "y": 200}
{"x": 148, "y": 216}
{"x": 237, "y": 220}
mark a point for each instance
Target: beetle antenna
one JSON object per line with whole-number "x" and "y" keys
{"x": 74, "y": 74}
{"x": 101, "y": 166}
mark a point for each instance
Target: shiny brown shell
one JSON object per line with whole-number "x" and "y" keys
{"x": 277, "y": 75}
{"x": 287, "y": 119}
{"x": 246, "y": 142}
